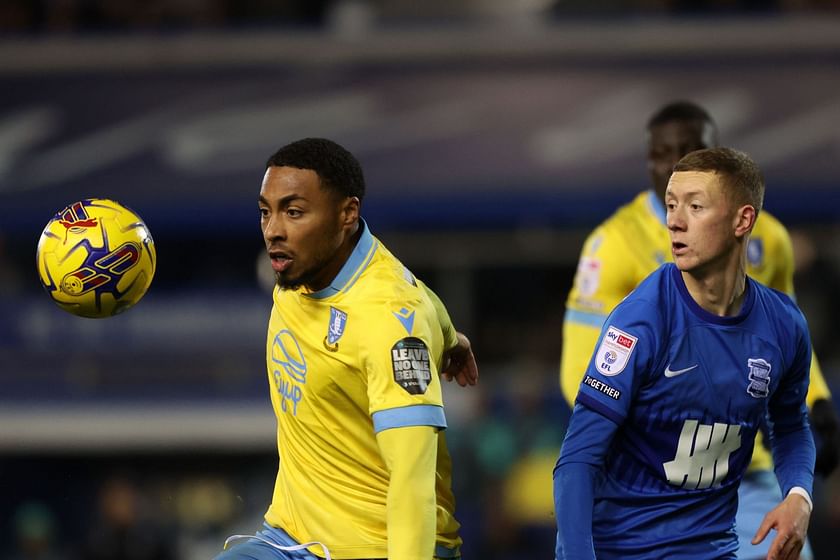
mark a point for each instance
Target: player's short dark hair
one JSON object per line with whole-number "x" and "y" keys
{"x": 680, "y": 111}
{"x": 338, "y": 169}
{"x": 741, "y": 176}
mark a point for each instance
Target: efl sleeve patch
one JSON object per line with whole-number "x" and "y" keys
{"x": 412, "y": 365}
{"x": 614, "y": 351}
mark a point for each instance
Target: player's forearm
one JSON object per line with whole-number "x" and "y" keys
{"x": 574, "y": 485}
{"x": 588, "y": 438}
{"x": 410, "y": 454}
{"x": 794, "y": 454}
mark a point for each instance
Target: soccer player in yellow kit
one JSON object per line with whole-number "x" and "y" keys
{"x": 355, "y": 345}
{"x": 631, "y": 244}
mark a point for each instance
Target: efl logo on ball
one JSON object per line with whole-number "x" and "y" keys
{"x": 96, "y": 258}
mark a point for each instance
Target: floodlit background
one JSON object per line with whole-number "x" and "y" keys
{"x": 494, "y": 135}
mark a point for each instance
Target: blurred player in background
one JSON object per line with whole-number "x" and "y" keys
{"x": 632, "y": 243}
{"x": 689, "y": 367}
{"x": 355, "y": 345}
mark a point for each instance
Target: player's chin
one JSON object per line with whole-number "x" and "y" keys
{"x": 684, "y": 263}
{"x": 285, "y": 281}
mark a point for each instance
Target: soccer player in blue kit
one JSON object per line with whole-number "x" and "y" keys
{"x": 687, "y": 369}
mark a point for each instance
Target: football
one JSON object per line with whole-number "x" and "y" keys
{"x": 96, "y": 258}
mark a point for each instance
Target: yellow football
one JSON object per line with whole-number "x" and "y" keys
{"x": 96, "y": 258}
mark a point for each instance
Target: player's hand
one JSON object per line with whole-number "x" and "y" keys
{"x": 826, "y": 435}
{"x": 790, "y": 520}
{"x": 459, "y": 363}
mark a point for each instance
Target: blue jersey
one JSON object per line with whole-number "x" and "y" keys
{"x": 685, "y": 392}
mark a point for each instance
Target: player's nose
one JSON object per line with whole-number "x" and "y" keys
{"x": 674, "y": 219}
{"x": 275, "y": 228}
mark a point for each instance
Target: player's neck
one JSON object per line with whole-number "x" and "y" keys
{"x": 342, "y": 255}
{"x": 720, "y": 292}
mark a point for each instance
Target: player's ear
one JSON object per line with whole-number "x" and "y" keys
{"x": 350, "y": 210}
{"x": 745, "y": 220}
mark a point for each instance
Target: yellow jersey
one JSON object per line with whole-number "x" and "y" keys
{"x": 625, "y": 249}
{"x": 345, "y": 363}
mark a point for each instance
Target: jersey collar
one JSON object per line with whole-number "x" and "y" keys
{"x": 746, "y": 307}
{"x": 353, "y": 268}
{"x": 656, "y": 207}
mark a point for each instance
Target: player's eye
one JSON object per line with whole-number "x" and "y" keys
{"x": 294, "y": 212}
{"x": 263, "y": 212}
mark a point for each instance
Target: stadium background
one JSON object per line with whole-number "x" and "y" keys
{"x": 494, "y": 135}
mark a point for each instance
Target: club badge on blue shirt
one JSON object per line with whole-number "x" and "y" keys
{"x": 338, "y": 321}
{"x": 759, "y": 377}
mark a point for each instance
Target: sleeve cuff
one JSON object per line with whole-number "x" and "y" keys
{"x": 414, "y": 415}
{"x": 804, "y": 493}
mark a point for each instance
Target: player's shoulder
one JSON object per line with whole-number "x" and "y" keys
{"x": 659, "y": 283}
{"x": 773, "y": 296}
{"x": 781, "y": 303}
{"x": 387, "y": 279}
{"x": 652, "y": 296}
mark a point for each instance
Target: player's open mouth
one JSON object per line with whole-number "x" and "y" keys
{"x": 678, "y": 248}
{"x": 280, "y": 261}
